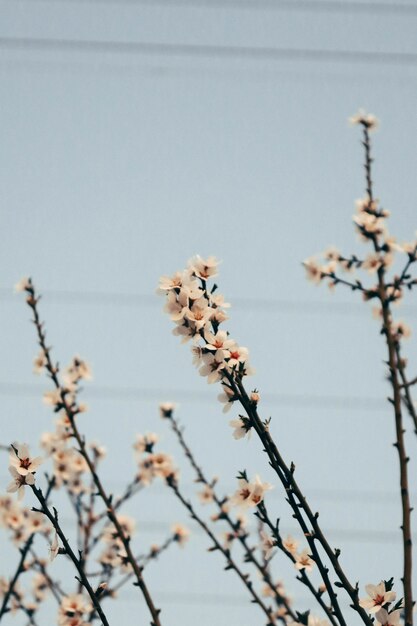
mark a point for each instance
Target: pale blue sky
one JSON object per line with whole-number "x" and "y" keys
{"x": 117, "y": 166}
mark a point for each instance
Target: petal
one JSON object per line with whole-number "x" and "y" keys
{"x": 372, "y": 590}
{"x": 30, "y": 479}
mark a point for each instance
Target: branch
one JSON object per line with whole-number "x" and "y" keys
{"x": 71, "y": 410}
{"x": 231, "y": 564}
{"x": 53, "y": 518}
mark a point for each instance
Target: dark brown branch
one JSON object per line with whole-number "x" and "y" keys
{"x": 299, "y": 506}
{"x": 396, "y": 402}
{"x": 71, "y": 411}
{"x": 231, "y": 564}
{"x": 53, "y": 518}
{"x": 23, "y": 552}
{"x": 235, "y": 526}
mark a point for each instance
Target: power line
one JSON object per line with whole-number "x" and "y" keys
{"x": 208, "y": 51}
{"x": 184, "y": 395}
{"x": 329, "y": 6}
{"x": 303, "y": 307}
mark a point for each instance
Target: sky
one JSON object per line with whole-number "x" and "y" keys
{"x": 136, "y": 134}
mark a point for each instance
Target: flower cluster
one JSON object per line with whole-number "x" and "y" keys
{"x": 20, "y": 521}
{"x": 249, "y": 493}
{"x": 198, "y": 313}
{"x": 114, "y": 553}
{"x": 68, "y": 464}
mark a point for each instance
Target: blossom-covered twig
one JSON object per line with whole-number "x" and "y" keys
{"x": 53, "y": 518}
{"x": 392, "y": 341}
{"x": 71, "y": 411}
{"x": 198, "y": 313}
{"x": 303, "y": 576}
{"x": 23, "y": 554}
{"x": 231, "y": 564}
{"x": 250, "y": 556}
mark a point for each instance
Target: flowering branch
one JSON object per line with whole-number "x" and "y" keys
{"x": 250, "y": 556}
{"x": 303, "y": 577}
{"x": 23, "y": 554}
{"x": 53, "y": 518}
{"x": 71, "y": 410}
{"x": 392, "y": 340}
{"x": 231, "y": 564}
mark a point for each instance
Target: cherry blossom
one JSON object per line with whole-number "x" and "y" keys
{"x": 378, "y": 597}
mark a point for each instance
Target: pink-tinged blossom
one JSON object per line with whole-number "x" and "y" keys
{"x": 368, "y": 120}
{"x": 166, "y": 409}
{"x": 181, "y": 533}
{"x": 54, "y": 548}
{"x": 212, "y": 368}
{"x": 77, "y": 370}
{"x": 313, "y": 270}
{"x": 145, "y": 443}
{"x": 227, "y": 398}
{"x": 314, "y": 620}
{"x": 400, "y": 330}
{"x": 176, "y": 306}
{"x": 378, "y": 596}
{"x": 204, "y": 268}
{"x": 290, "y": 544}
{"x": 22, "y": 285}
{"x": 19, "y": 481}
{"x": 304, "y": 561}
{"x": 218, "y": 341}
{"x": 250, "y": 494}
{"x": 388, "y": 619}
{"x": 199, "y": 313}
{"x": 39, "y": 363}
{"x": 73, "y": 606}
{"x": 20, "y": 459}
{"x": 206, "y": 495}
{"x": 268, "y": 545}
{"x": 167, "y": 283}
{"x": 238, "y": 355}
{"x": 241, "y": 428}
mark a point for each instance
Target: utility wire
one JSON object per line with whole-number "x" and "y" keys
{"x": 184, "y": 395}
{"x": 302, "y": 307}
{"x": 327, "y": 6}
{"x": 255, "y": 53}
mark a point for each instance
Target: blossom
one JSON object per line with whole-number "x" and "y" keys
{"x": 400, "y": 330}
{"x": 268, "y": 544}
{"x": 378, "y": 596}
{"x": 227, "y": 397}
{"x": 76, "y": 371}
{"x": 313, "y": 270}
{"x": 54, "y": 547}
{"x": 241, "y": 428}
{"x": 39, "y": 362}
{"x": 205, "y": 495}
{"x": 73, "y": 607}
{"x": 145, "y": 443}
{"x": 304, "y": 561}
{"x": 24, "y": 284}
{"x": 204, "y": 268}
{"x": 250, "y": 494}
{"x": 388, "y": 619}
{"x": 19, "y": 481}
{"x": 20, "y": 459}
{"x": 181, "y": 533}
{"x": 166, "y": 283}
{"x": 166, "y": 409}
{"x": 290, "y": 544}
{"x": 368, "y": 120}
